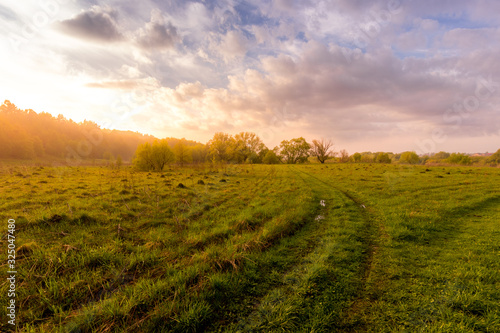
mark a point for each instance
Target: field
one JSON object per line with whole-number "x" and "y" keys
{"x": 242, "y": 248}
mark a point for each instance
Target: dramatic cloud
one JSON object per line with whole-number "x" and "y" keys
{"x": 96, "y": 24}
{"x": 158, "y": 34}
{"x": 371, "y": 75}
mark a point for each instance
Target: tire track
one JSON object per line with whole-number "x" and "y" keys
{"x": 374, "y": 236}
{"x": 279, "y": 296}
{"x": 340, "y": 231}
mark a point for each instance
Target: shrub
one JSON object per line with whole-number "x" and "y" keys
{"x": 382, "y": 158}
{"x": 409, "y": 157}
{"x": 270, "y": 158}
{"x": 153, "y": 156}
{"x": 495, "y": 158}
{"x": 458, "y": 158}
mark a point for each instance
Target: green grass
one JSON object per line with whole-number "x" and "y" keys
{"x": 252, "y": 249}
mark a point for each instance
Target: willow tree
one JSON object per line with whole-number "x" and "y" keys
{"x": 322, "y": 149}
{"x": 154, "y": 156}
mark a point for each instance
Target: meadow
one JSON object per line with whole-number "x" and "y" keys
{"x": 254, "y": 248}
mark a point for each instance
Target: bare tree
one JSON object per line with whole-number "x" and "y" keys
{"x": 322, "y": 149}
{"x": 344, "y": 156}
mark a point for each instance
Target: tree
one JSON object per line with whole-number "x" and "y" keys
{"x": 458, "y": 158}
{"x": 199, "y": 153}
{"x": 321, "y": 149}
{"x": 144, "y": 157}
{"x": 262, "y": 153}
{"x": 270, "y": 158}
{"x": 495, "y": 158}
{"x": 356, "y": 157}
{"x": 409, "y": 157}
{"x": 161, "y": 154}
{"x": 27, "y": 134}
{"x": 220, "y": 146}
{"x": 153, "y": 156}
{"x": 246, "y": 144}
{"x": 344, "y": 156}
{"x": 293, "y": 151}
{"x": 442, "y": 155}
{"x": 382, "y": 158}
{"x": 119, "y": 161}
{"x": 182, "y": 152}
{"x": 367, "y": 157}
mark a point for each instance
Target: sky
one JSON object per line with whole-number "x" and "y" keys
{"x": 378, "y": 75}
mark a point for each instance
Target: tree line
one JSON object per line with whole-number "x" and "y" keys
{"x": 25, "y": 134}
{"x": 244, "y": 147}
{"x": 247, "y": 147}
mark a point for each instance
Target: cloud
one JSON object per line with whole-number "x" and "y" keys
{"x": 8, "y": 14}
{"x": 233, "y": 44}
{"x": 157, "y": 34}
{"x": 120, "y": 84}
{"x": 96, "y": 24}
{"x": 471, "y": 39}
{"x": 428, "y": 24}
{"x": 286, "y": 67}
{"x": 317, "y": 92}
{"x": 411, "y": 41}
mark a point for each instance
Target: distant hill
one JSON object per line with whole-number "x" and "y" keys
{"x": 25, "y": 134}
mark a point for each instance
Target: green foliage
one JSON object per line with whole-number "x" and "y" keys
{"x": 293, "y": 151}
{"x": 220, "y": 147}
{"x": 495, "y": 158}
{"x": 442, "y": 155}
{"x": 199, "y": 153}
{"x": 382, "y": 158}
{"x": 367, "y": 157}
{"x": 119, "y": 161}
{"x": 154, "y": 156}
{"x": 409, "y": 157}
{"x": 270, "y": 158}
{"x": 356, "y": 157}
{"x": 247, "y": 147}
{"x": 457, "y": 158}
{"x": 183, "y": 153}
{"x": 144, "y": 157}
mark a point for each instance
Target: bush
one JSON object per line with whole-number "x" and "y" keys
{"x": 495, "y": 158}
{"x": 442, "y": 155}
{"x": 458, "y": 158}
{"x": 154, "y": 156}
{"x": 356, "y": 157}
{"x": 382, "y": 158}
{"x": 409, "y": 157}
{"x": 270, "y": 158}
